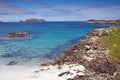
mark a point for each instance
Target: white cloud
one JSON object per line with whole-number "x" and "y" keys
{"x": 59, "y": 13}
{"x": 78, "y": 13}
{"x": 101, "y": 13}
{"x": 11, "y": 9}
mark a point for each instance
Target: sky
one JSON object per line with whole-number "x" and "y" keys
{"x": 59, "y": 10}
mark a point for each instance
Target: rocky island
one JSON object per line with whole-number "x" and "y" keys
{"x": 34, "y": 20}
{"x": 1, "y": 21}
{"x": 104, "y": 21}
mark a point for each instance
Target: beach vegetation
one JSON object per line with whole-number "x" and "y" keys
{"x": 113, "y": 43}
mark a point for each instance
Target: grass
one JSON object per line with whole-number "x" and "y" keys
{"x": 113, "y": 43}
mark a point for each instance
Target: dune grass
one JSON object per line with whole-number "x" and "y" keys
{"x": 113, "y": 43}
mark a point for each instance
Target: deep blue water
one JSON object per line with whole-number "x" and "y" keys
{"x": 47, "y": 39}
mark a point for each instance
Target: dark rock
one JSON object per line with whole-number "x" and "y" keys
{"x": 47, "y": 64}
{"x": 13, "y": 62}
{"x": 18, "y": 34}
{"x": 7, "y": 55}
{"x": 14, "y": 54}
{"x": 37, "y": 71}
{"x": 95, "y": 76}
{"x": 101, "y": 76}
{"x": 65, "y": 73}
{"x": 102, "y": 66}
{"x": 42, "y": 69}
{"x": 80, "y": 77}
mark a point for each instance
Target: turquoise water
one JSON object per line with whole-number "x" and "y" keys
{"x": 46, "y": 41}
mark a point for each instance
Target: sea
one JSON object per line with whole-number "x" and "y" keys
{"x": 47, "y": 40}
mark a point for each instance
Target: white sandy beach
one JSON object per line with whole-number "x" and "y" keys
{"x": 18, "y": 72}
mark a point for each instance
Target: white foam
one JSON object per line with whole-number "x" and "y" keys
{"x": 49, "y": 73}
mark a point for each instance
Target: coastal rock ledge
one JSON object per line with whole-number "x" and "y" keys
{"x": 93, "y": 55}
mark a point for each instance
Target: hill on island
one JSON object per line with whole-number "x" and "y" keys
{"x": 104, "y": 21}
{"x": 34, "y": 20}
{"x": 1, "y": 21}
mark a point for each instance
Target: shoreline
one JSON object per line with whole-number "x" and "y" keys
{"x": 18, "y": 72}
{"x": 86, "y": 60}
{"x": 93, "y": 55}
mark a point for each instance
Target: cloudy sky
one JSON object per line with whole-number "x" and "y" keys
{"x": 59, "y": 10}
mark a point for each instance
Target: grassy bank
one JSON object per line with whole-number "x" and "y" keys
{"x": 113, "y": 43}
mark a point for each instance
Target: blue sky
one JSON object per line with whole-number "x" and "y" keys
{"x": 59, "y": 10}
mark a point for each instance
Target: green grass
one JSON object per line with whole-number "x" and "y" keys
{"x": 113, "y": 43}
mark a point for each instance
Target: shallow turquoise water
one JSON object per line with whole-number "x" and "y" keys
{"x": 47, "y": 39}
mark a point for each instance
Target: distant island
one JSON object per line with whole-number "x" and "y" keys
{"x": 1, "y": 21}
{"x": 104, "y": 21}
{"x": 34, "y": 20}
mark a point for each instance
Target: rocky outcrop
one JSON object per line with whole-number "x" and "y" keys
{"x": 89, "y": 48}
{"x": 18, "y": 34}
{"x": 34, "y": 20}
{"x": 93, "y": 55}
{"x": 104, "y": 21}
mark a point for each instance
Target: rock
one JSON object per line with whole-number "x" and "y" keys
{"x": 80, "y": 77}
{"x": 34, "y": 20}
{"x": 36, "y": 71}
{"x": 18, "y": 34}
{"x": 7, "y": 55}
{"x": 10, "y": 55}
{"x": 42, "y": 69}
{"x": 13, "y": 62}
{"x": 47, "y": 64}
{"x": 99, "y": 32}
{"x": 102, "y": 66}
{"x": 87, "y": 58}
{"x": 93, "y": 55}
{"x": 95, "y": 76}
{"x": 65, "y": 73}
{"x": 88, "y": 47}
{"x": 76, "y": 51}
